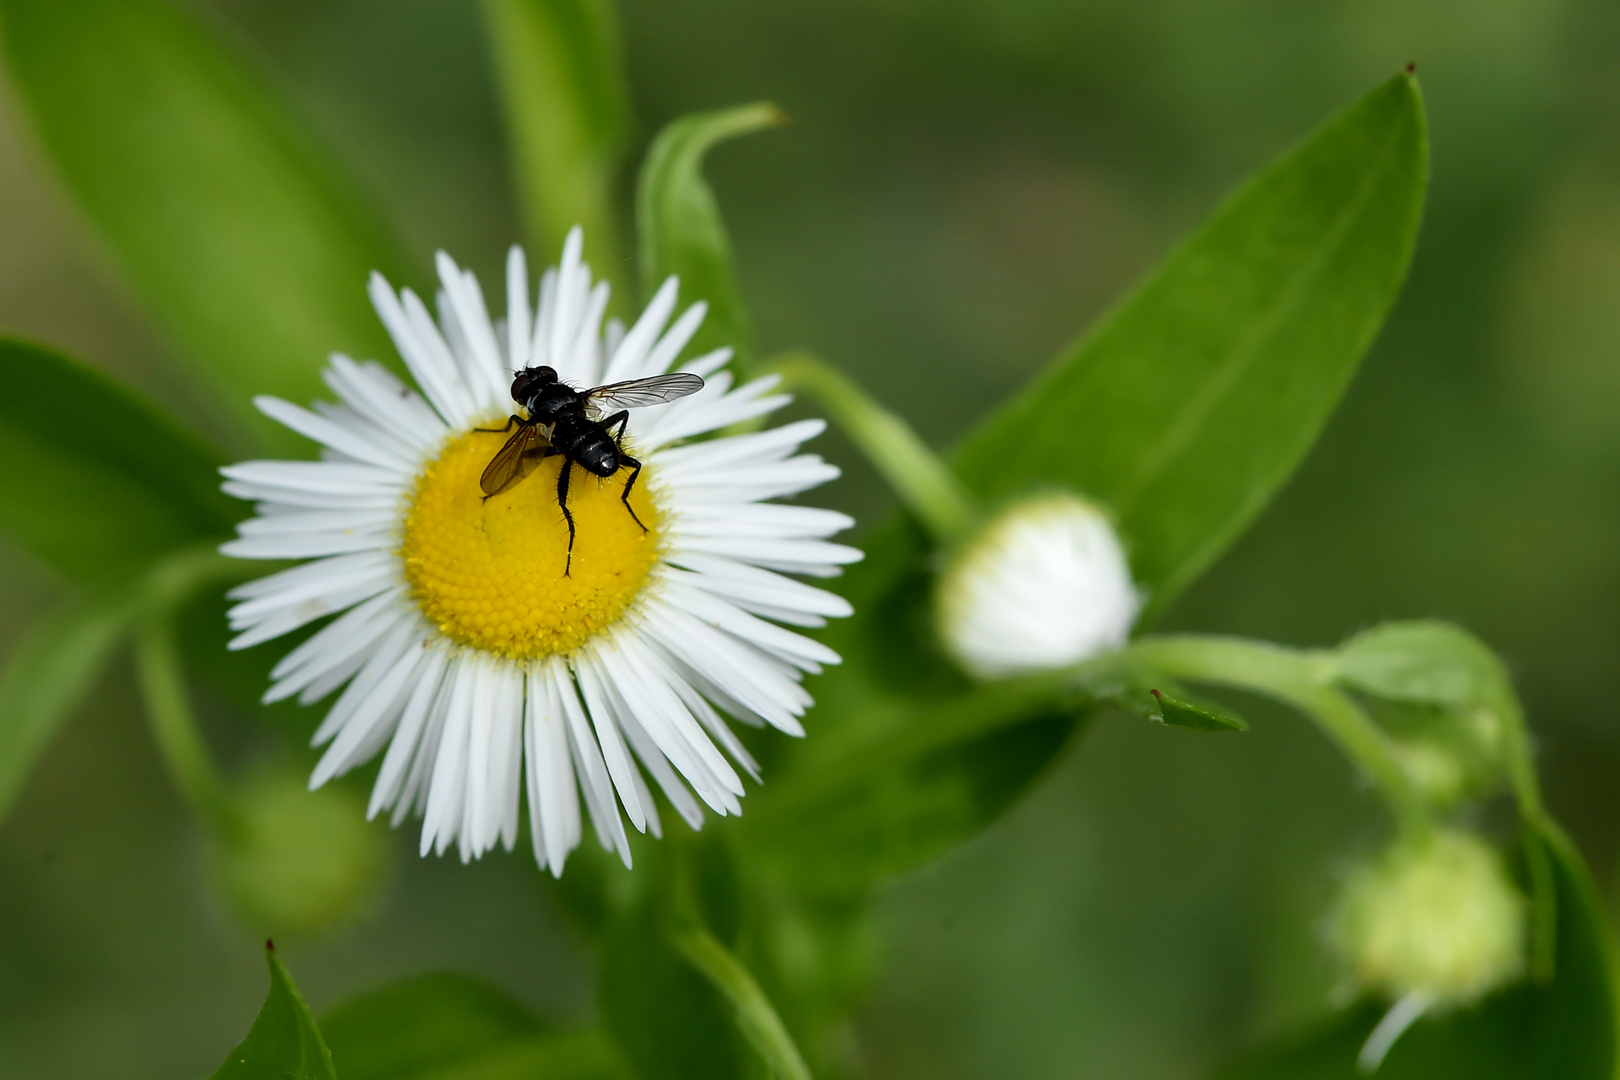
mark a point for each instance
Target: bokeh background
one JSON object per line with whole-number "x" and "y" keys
{"x": 964, "y": 186}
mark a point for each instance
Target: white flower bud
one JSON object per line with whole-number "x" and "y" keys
{"x": 1437, "y": 918}
{"x": 1043, "y": 585}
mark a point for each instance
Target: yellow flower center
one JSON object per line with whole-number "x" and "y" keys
{"x": 489, "y": 572}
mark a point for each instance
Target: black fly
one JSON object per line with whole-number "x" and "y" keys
{"x": 568, "y": 423}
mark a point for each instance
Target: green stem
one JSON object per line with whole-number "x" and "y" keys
{"x": 174, "y": 727}
{"x": 1303, "y": 680}
{"x": 756, "y": 1018}
{"x": 923, "y": 482}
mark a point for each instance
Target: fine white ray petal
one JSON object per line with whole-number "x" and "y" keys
{"x": 372, "y": 391}
{"x": 433, "y": 371}
{"x": 330, "y": 434}
{"x": 384, "y": 701}
{"x": 358, "y": 697}
{"x": 407, "y": 736}
{"x": 588, "y": 761}
{"x": 674, "y": 340}
{"x": 619, "y": 766}
{"x": 446, "y": 790}
{"x": 633, "y": 349}
{"x": 519, "y": 324}
{"x": 554, "y": 824}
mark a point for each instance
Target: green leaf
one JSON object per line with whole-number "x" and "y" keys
{"x": 909, "y": 783}
{"x": 111, "y": 483}
{"x": 1432, "y": 663}
{"x": 446, "y": 1026}
{"x": 1177, "y": 713}
{"x": 1564, "y": 1029}
{"x": 572, "y": 1055}
{"x": 679, "y": 223}
{"x": 48, "y": 675}
{"x": 1183, "y": 411}
{"x": 1190, "y": 403}
{"x": 423, "y": 1023}
{"x": 284, "y": 1043}
{"x": 567, "y": 108}
{"x": 248, "y": 244}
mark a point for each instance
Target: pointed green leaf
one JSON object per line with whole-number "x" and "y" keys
{"x": 245, "y": 240}
{"x": 1190, "y": 403}
{"x": 48, "y": 674}
{"x": 111, "y": 483}
{"x": 1178, "y": 713}
{"x": 567, "y": 108}
{"x": 446, "y": 1026}
{"x": 423, "y": 1023}
{"x": 1183, "y": 411}
{"x": 284, "y": 1043}
{"x": 1428, "y": 662}
{"x": 1563, "y": 1029}
{"x": 679, "y": 223}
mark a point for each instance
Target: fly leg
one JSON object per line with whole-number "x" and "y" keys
{"x": 503, "y": 430}
{"x": 562, "y": 501}
{"x": 621, "y": 418}
{"x": 635, "y": 471}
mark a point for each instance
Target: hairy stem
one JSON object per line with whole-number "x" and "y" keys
{"x": 921, "y": 480}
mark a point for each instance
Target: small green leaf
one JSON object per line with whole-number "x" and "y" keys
{"x": 1190, "y": 403}
{"x": 423, "y": 1023}
{"x": 1183, "y": 411}
{"x": 284, "y": 1043}
{"x": 1427, "y": 662}
{"x": 111, "y": 483}
{"x": 1178, "y": 713}
{"x": 679, "y": 223}
{"x": 48, "y": 674}
{"x": 245, "y": 240}
{"x": 1564, "y": 1029}
{"x": 567, "y": 108}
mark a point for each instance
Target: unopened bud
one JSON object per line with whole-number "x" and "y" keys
{"x": 301, "y": 861}
{"x": 1045, "y": 584}
{"x": 1438, "y": 918}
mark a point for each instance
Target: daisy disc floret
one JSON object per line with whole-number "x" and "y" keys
{"x": 493, "y": 671}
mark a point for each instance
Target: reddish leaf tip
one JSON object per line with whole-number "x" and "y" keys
{"x": 269, "y": 944}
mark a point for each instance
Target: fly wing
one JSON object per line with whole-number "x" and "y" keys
{"x": 514, "y": 461}
{"x": 639, "y": 393}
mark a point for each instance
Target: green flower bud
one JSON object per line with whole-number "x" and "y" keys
{"x": 1438, "y": 918}
{"x": 300, "y": 861}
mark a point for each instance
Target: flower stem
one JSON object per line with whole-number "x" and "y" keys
{"x": 756, "y": 1018}
{"x": 923, "y": 482}
{"x": 174, "y": 727}
{"x": 1303, "y": 680}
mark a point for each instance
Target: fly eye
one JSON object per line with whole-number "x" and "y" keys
{"x": 520, "y": 385}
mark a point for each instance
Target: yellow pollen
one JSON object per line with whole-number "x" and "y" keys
{"x": 489, "y": 573}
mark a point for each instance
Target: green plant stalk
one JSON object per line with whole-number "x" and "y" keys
{"x": 920, "y": 478}
{"x": 756, "y": 1018}
{"x": 174, "y": 726}
{"x": 1303, "y": 680}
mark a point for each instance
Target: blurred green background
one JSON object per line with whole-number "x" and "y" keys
{"x": 965, "y": 185}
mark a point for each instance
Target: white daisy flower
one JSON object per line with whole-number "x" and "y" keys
{"x": 1044, "y": 585}
{"x": 486, "y": 670}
